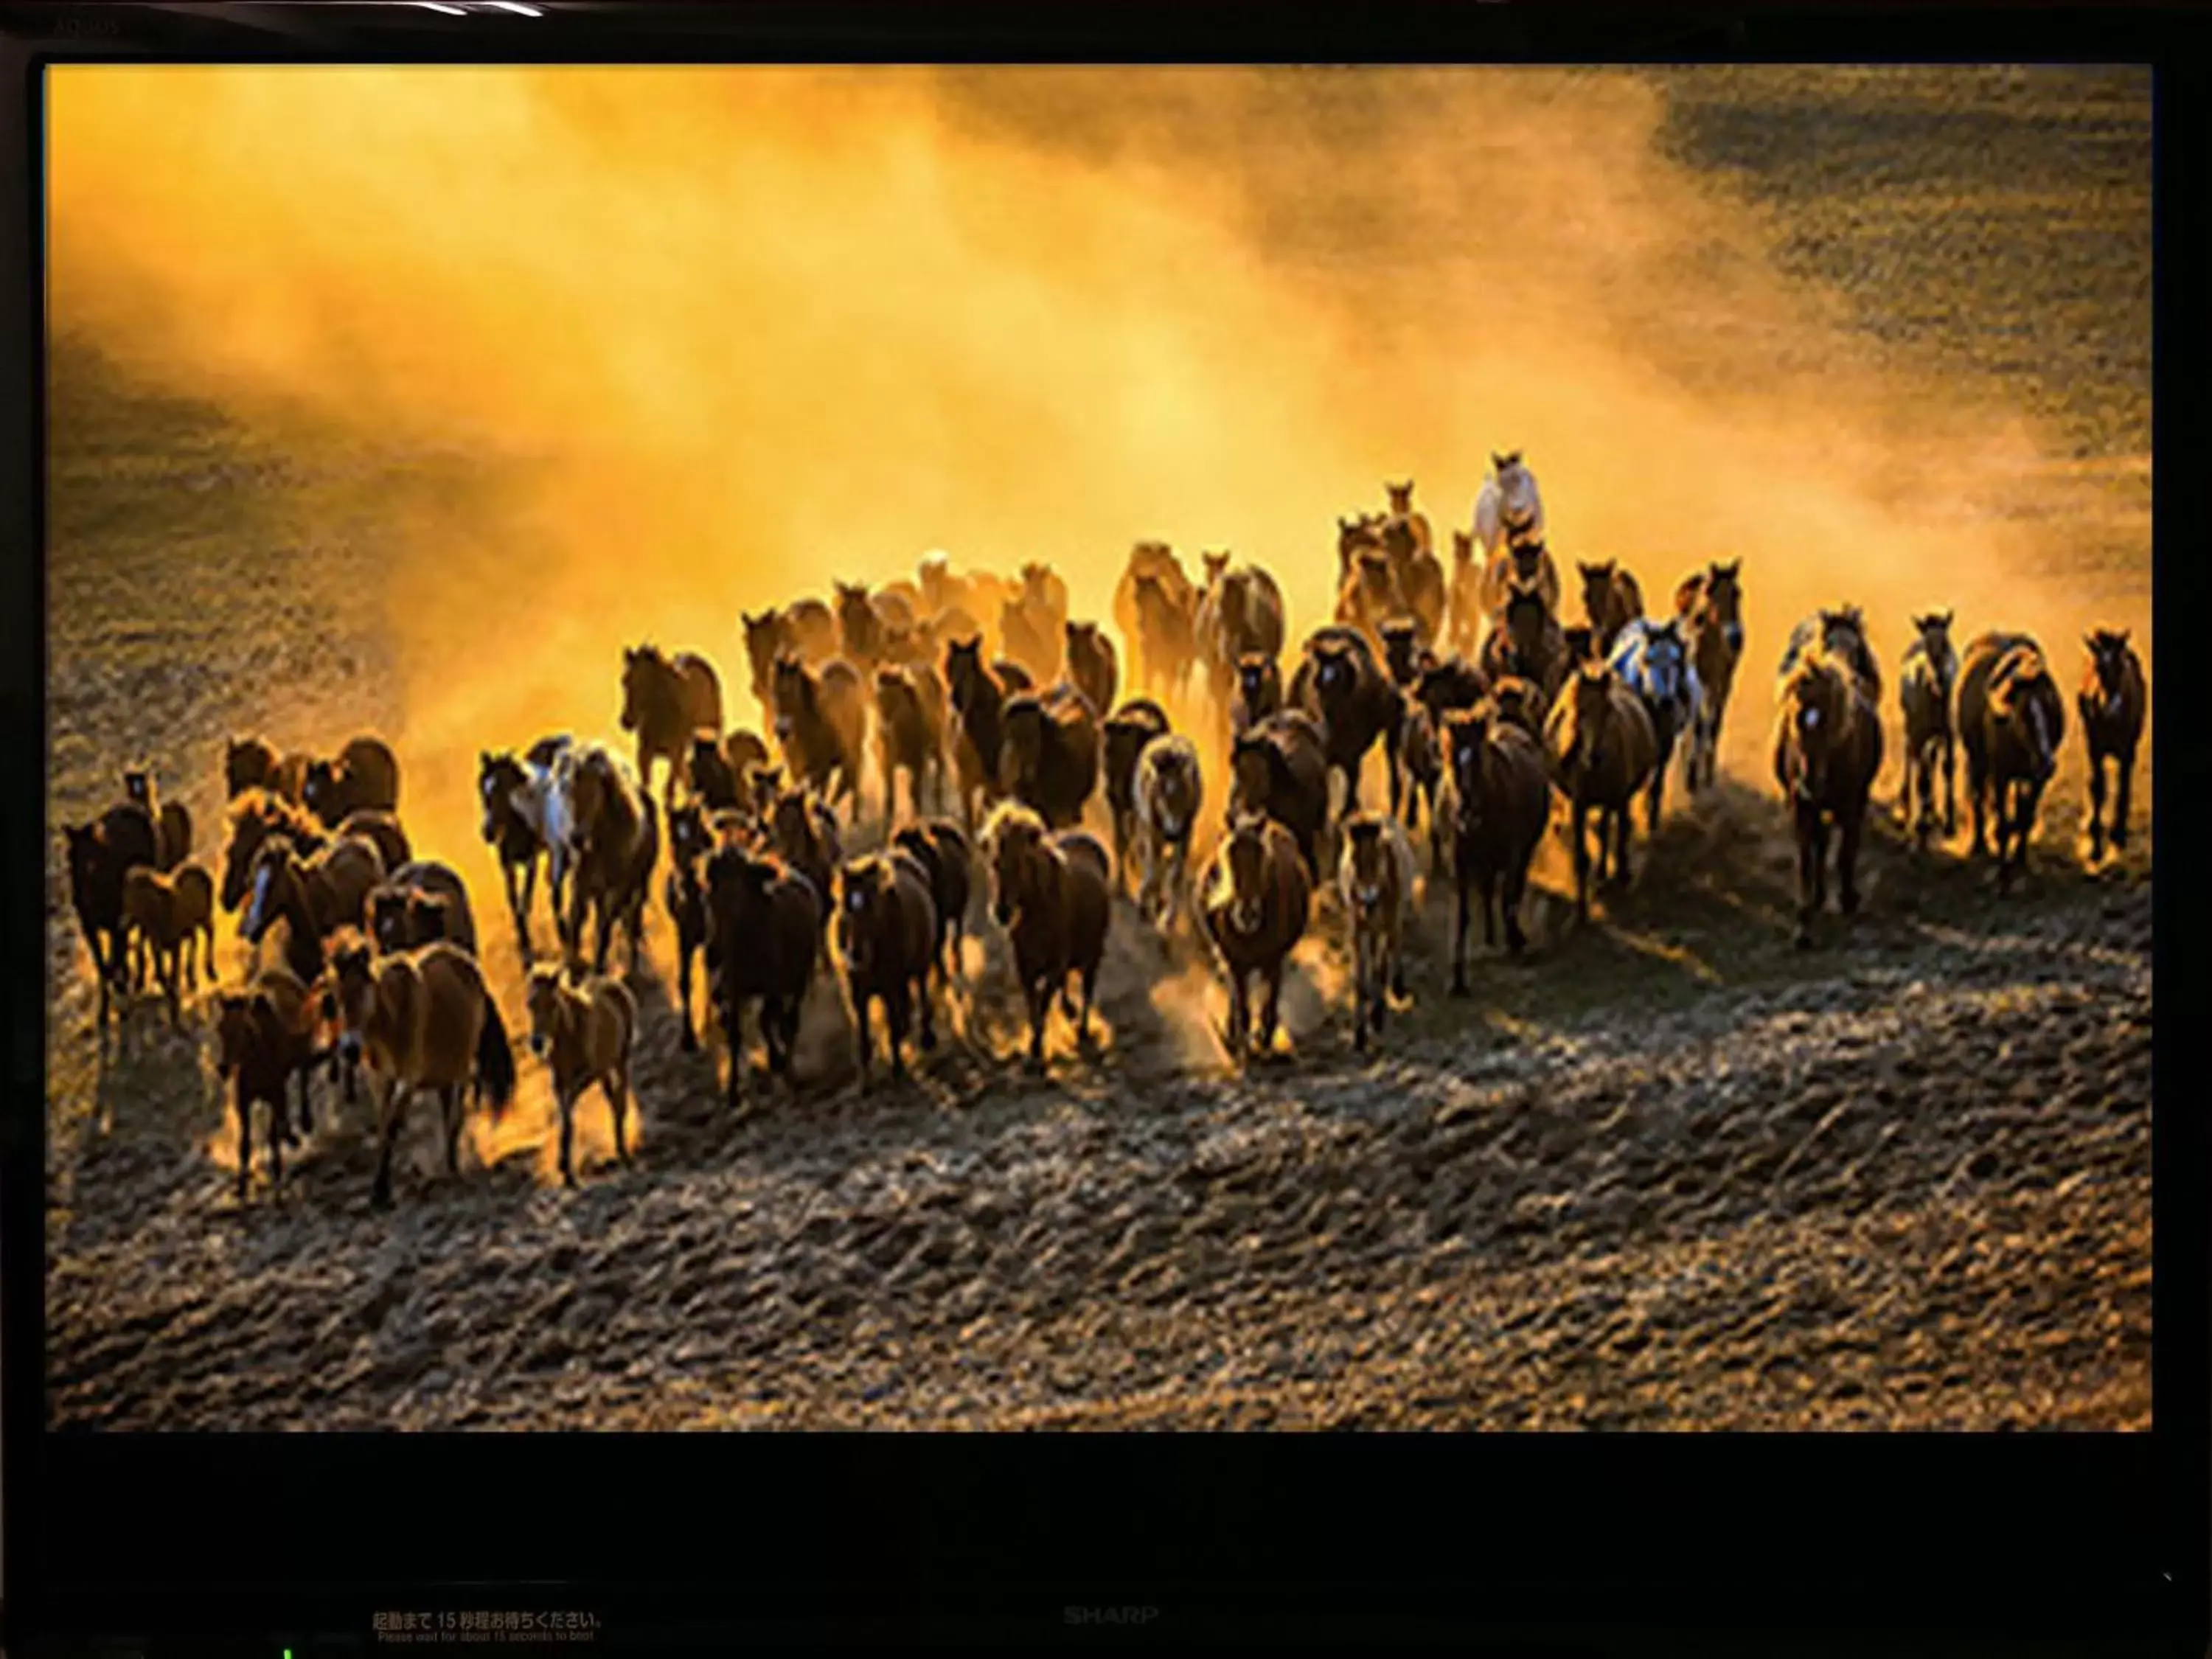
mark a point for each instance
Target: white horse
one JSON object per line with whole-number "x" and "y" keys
{"x": 1507, "y": 504}
{"x": 1653, "y": 659}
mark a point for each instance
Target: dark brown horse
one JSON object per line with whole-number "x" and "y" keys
{"x": 803, "y": 832}
{"x": 942, "y": 848}
{"x": 168, "y": 914}
{"x": 251, "y": 763}
{"x": 1374, "y": 883}
{"x": 512, "y": 790}
{"x": 2114, "y": 701}
{"x": 1601, "y": 749}
{"x": 1134, "y": 726}
{"x": 821, "y": 721}
{"x": 365, "y": 776}
{"x": 172, "y": 824}
{"x": 1827, "y": 749}
{"x": 2011, "y": 722}
{"x": 979, "y": 697}
{"x": 1342, "y": 685}
{"x": 255, "y": 815}
{"x": 806, "y": 629}
{"x": 1170, "y": 789}
{"x": 1053, "y": 893}
{"x": 1840, "y": 631}
{"x": 1611, "y": 600}
{"x": 265, "y": 1037}
{"x": 765, "y": 924}
{"x": 1522, "y": 563}
{"x": 887, "y": 935}
{"x": 667, "y": 700}
{"x": 1255, "y": 903}
{"x": 1710, "y": 606}
{"x": 1404, "y": 656}
{"x": 101, "y": 856}
{"x": 422, "y": 878}
{"x": 1280, "y": 767}
{"x": 1452, "y": 683}
{"x": 1048, "y": 760}
{"x": 1499, "y": 801}
{"x": 1529, "y": 644}
{"x": 1259, "y": 691}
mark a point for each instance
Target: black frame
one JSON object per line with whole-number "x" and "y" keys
{"x": 284, "y": 1541}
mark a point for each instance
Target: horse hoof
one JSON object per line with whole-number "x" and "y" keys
{"x": 688, "y": 1043}
{"x": 380, "y": 1199}
{"x": 1804, "y": 939}
{"x": 1459, "y": 988}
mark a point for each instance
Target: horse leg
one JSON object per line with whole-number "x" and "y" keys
{"x": 1849, "y": 830}
{"x": 603, "y": 928}
{"x": 1362, "y": 991}
{"x": 391, "y": 1117}
{"x": 1950, "y": 785}
{"x": 1622, "y": 824}
{"x": 449, "y": 1101}
{"x": 864, "y": 1040}
{"x": 1397, "y": 964}
{"x": 1977, "y": 790}
{"x": 165, "y": 964}
{"x": 1459, "y": 932}
{"x": 1039, "y": 992}
{"x": 1240, "y": 1019}
{"x": 1808, "y": 827}
{"x": 565, "y": 1098}
{"x": 2096, "y": 804}
{"x": 1271, "y": 1010}
{"x": 616, "y": 1086}
{"x": 734, "y": 1039}
{"x": 899, "y": 1014}
{"x": 245, "y": 1136}
{"x": 2123, "y": 763}
{"x": 1578, "y": 811}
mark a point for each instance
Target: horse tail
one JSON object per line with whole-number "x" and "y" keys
{"x": 495, "y": 1059}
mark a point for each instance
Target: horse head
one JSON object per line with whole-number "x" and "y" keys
{"x": 1012, "y": 836}
{"x": 1216, "y": 565}
{"x": 1592, "y": 692}
{"x": 274, "y": 884}
{"x": 1462, "y": 547}
{"x": 1525, "y": 615}
{"x": 2110, "y": 656}
{"x": 542, "y": 999}
{"x": 1244, "y": 860}
{"x": 1370, "y": 858}
{"x": 1400, "y": 641}
{"x": 1816, "y": 708}
{"x": 1036, "y": 583}
{"x": 2022, "y": 697}
{"x": 863, "y": 885}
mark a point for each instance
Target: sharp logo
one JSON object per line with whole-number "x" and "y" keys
{"x": 1111, "y": 1615}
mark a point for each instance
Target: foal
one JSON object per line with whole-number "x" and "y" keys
{"x": 583, "y": 1030}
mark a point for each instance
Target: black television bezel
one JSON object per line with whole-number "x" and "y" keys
{"x": 284, "y": 1539}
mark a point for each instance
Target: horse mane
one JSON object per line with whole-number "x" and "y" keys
{"x": 1010, "y": 814}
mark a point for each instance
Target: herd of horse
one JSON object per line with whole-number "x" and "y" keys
{"x": 1495, "y": 716}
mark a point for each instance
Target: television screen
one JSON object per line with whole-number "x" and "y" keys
{"x": 1098, "y": 748}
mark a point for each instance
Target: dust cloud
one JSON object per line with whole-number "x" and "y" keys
{"x": 720, "y": 336}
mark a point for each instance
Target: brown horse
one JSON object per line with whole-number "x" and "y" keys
{"x": 1369, "y": 596}
{"x": 1463, "y": 608}
{"x": 910, "y": 736}
{"x": 316, "y": 895}
{"x": 691, "y": 841}
{"x": 940, "y": 591}
{"x": 1280, "y": 767}
{"x": 172, "y": 824}
{"x": 101, "y": 856}
{"x": 1611, "y": 600}
{"x": 979, "y": 694}
{"x": 584, "y": 1030}
{"x": 1091, "y": 666}
{"x": 1053, "y": 893}
{"x": 1419, "y": 578}
{"x": 1710, "y": 605}
{"x": 1499, "y": 801}
{"x": 821, "y": 721}
{"x": 714, "y": 783}
{"x": 1259, "y": 691}
{"x": 665, "y": 699}
{"x": 364, "y": 776}
{"x": 1841, "y": 631}
{"x": 887, "y": 935}
{"x": 1421, "y": 755}
{"x": 1827, "y": 749}
{"x": 765, "y": 923}
{"x": 1924, "y": 691}
{"x": 1048, "y": 760}
{"x": 1342, "y": 685}
{"x": 1528, "y": 643}
{"x": 865, "y": 623}
{"x": 1404, "y": 656}
{"x": 1362, "y": 534}
{"x": 942, "y": 848}
{"x": 2011, "y": 722}
{"x": 1404, "y": 513}
{"x": 1170, "y": 789}
{"x": 1134, "y": 726}
{"x": 381, "y": 830}
{"x": 420, "y": 1019}
{"x": 1031, "y": 637}
{"x": 1601, "y": 749}
{"x": 264, "y": 1038}
{"x": 1240, "y": 614}
{"x": 1155, "y": 608}
{"x": 426, "y": 878}
{"x": 1375, "y": 879}
{"x": 1453, "y": 683}
{"x": 251, "y": 763}
{"x": 2114, "y": 701}
{"x": 167, "y": 913}
{"x": 1255, "y": 903}
{"x": 1519, "y": 703}
{"x": 805, "y": 628}
{"x": 1524, "y": 563}
{"x": 802, "y": 831}
{"x": 615, "y": 834}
